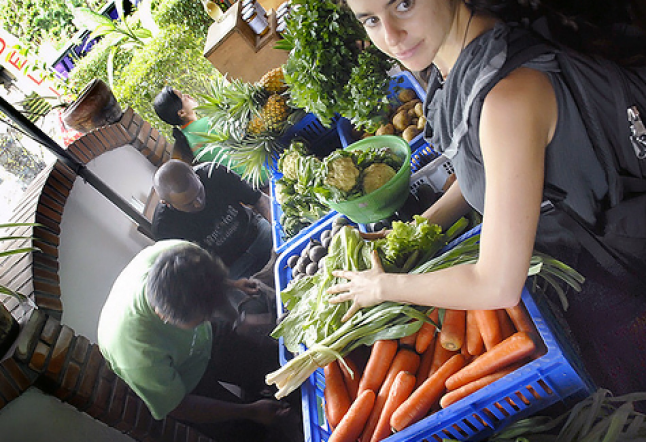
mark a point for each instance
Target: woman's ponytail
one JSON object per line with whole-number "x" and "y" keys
{"x": 182, "y": 149}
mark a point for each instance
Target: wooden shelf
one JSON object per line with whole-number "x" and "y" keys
{"x": 236, "y": 51}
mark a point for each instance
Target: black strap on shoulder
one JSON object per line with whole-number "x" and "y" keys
{"x": 522, "y": 47}
{"x": 567, "y": 218}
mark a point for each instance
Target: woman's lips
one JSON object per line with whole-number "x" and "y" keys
{"x": 408, "y": 53}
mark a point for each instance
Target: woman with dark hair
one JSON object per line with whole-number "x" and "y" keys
{"x": 178, "y": 110}
{"x": 506, "y": 145}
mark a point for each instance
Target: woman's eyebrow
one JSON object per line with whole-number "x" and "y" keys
{"x": 361, "y": 15}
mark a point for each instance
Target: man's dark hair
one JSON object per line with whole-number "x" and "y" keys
{"x": 186, "y": 283}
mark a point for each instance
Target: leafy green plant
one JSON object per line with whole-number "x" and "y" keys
{"x": 38, "y": 21}
{"x": 188, "y": 13}
{"x": 329, "y": 69}
{"x": 95, "y": 65}
{"x": 172, "y": 58}
{"x": 120, "y": 35}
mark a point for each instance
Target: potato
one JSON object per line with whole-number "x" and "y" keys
{"x": 401, "y": 121}
{"x": 409, "y": 105}
{"x": 419, "y": 109}
{"x": 410, "y": 132}
{"x": 405, "y": 95}
{"x": 421, "y": 122}
{"x": 386, "y": 129}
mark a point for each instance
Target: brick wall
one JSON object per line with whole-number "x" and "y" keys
{"x": 48, "y": 354}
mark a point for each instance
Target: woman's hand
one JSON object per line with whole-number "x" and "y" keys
{"x": 364, "y": 289}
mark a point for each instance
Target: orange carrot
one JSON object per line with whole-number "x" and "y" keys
{"x": 506, "y": 326}
{"x": 409, "y": 341}
{"x": 335, "y": 393}
{"x": 453, "y": 327}
{"x": 475, "y": 345}
{"x": 509, "y": 351}
{"x": 349, "y": 429}
{"x": 489, "y": 327}
{"x": 521, "y": 319}
{"x": 351, "y": 377}
{"x": 400, "y": 391}
{"x": 420, "y": 402}
{"x": 405, "y": 360}
{"x": 440, "y": 356}
{"x": 426, "y": 334}
{"x": 425, "y": 362}
{"x": 326, "y": 408}
{"x": 381, "y": 357}
{"x": 453, "y": 396}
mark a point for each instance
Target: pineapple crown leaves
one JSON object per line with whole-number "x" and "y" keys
{"x": 231, "y": 100}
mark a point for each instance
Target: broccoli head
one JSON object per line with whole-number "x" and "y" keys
{"x": 340, "y": 171}
{"x": 375, "y": 176}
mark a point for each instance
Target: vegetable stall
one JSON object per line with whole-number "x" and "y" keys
{"x": 390, "y": 372}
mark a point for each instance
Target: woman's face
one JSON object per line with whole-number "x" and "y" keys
{"x": 411, "y": 31}
{"x": 188, "y": 102}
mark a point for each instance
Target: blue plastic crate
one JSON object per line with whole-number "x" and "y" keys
{"x": 322, "y": 140}
{"x": 313, "y": 131}
{"x": 556, "y": 376}
{"x": 403, "y": 79}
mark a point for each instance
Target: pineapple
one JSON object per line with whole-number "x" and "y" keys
{"x": 249, "y": 120}
{"x": 272, "y": 116}
{"x": 274, "y": 81}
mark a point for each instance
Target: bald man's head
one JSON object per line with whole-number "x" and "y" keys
{"x": 179, "y": 186}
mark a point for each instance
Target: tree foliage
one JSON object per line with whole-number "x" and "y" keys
{"x": 173, "y": 58}
{"x": 37, "y": 21}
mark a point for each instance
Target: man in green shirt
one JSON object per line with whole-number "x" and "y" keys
{"x": 158, "y": 333}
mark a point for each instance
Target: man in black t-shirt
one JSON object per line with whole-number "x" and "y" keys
{"x": 213, "y": 207}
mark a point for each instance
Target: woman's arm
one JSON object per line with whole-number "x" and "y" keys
{"x": 517, "y": 123}
{"x": 450, "y": 207}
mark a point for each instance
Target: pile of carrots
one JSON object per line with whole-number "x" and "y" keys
{"x": 400, "y": 382}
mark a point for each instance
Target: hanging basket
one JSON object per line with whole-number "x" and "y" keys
{"x": 96, "y": 107}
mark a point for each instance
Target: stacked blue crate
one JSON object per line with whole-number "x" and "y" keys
{"x": 556, "y": 376}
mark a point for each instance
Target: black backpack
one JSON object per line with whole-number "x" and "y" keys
{"x": 612, "y": 102}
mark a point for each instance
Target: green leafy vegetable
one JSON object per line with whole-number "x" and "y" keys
{"x": 323, "y": 36}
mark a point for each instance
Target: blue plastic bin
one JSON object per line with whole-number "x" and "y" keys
{"x": 557, "y": 376}
{"x": 403, "y": 79}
